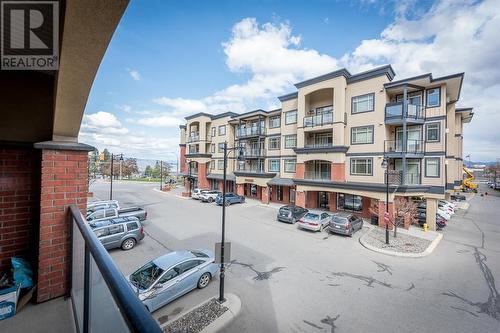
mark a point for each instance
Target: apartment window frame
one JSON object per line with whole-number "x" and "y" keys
{"x": 372, "y": 140}
{"x": 269, "y": 163}
{"x": 274, "y": 118}
{"x": 288, "y": 161}
{"x": 223, "y": 127}
{"x": 427, "y": 97}
{"x": 438, "y": 129}
{"x": 220, "y": 164}
{"x": 272, "y": 138}
{"x": 352, "y": 166}
{"x": 212, "y": 148}
{"x": 287, "y": 114}
{"x": 213, "y": 131}
{"x": 220, "y": 147}
{"x": 360, "y": 96}
{"x": 288, "y": 137}
{"x": 426, "y": 171}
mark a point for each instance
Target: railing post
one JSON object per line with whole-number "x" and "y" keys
{"x": 86, "y": 291}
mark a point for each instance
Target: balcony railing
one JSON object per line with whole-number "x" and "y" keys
{"x": 412, "y": 146}
{"x": 318, "y": 145}
{"x": 252, "y": 168}
{"x": 243, "y": 132}
{"x": 317, "y": 175}
{"x": 193, "y": 138}
{"x": 254, "y": 152}
{"x": 411, "y": 178}
{"x": 395, "y": 111}
{"x": 318, "y": 120}
{"x": 103, "y": 300}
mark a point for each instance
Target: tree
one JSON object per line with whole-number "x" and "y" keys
{"x": 107, "y": 155}
{"x": 404, "y": 209}
{"x": 148, "y": 172}
{"x": 129, "y": 167}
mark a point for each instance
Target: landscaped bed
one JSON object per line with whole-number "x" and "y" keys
{"x": 197, "y": 319}
{"x": 402, "y": 243}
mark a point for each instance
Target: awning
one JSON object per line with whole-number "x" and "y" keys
{"x": 281, "y": 181}
{"x": 219, "y": 176}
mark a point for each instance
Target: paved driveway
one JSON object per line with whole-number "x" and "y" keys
{"x": 297, "y": 281}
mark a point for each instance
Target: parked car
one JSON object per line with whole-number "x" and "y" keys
{"x": 172, "y": 275}
{"x": 97, "y": 205}
{"x": 109, "y": 213}
{"x": 314, "y": 220}
{"x": 122, "y": 232}
{"x": 422, "y": 218}
{"x": 439, "y": 211}
{"x": 209, "y": 196}
{"x": 231, "y": 198}
{"x": 197, "y": 192}
{"x": 353, "y": 204}
{"x": 458, "y": 197}
{"x": 291, "y": 213}
{"x": 345, "y": 224}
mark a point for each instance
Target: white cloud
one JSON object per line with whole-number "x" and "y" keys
{"x": 134, "y": 74}
{"x": 159, "y": 121}
{"x": 125, "y": 108}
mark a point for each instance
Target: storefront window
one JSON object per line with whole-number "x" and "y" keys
{"x": 292, "y": 195}
{"x": 349, "y": 202}
{"x": 253, "y": 190}
{"x": 279, "y": 193}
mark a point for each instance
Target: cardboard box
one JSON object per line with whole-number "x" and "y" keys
{"x": 8, "y": 302}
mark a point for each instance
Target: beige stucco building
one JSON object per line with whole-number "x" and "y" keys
{"x": 332, "y": 140}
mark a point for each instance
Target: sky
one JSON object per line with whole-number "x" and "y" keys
{"x": 170, "y": 59}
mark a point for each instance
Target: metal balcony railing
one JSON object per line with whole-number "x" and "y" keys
{"x": 193, "y": 137}
{"x": 396, "y": 146}
{"x": 317, "y": 175}
{"x": 319, "y": 145}
{"x": 396, "y": 178}
{"x": 242, "y": 132}
{"x": 319, "y": 119}
{"x": 254, "y": 152}
{"x": 102, "y": 299}
{"x": 251, "y": 168}
{"x": 395, "y": 111}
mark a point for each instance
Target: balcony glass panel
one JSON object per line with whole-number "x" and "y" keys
{"x": 395, "y": 111}
{"x": 254, "y": 152}
{"x": 249, "y": 131}
{"x": 193, "y": 137}
{"x": 412, "y": 147}
{"x": 317, "y": 175}
{"x": 319, "y": 119}
{"x": 77, "y": 275}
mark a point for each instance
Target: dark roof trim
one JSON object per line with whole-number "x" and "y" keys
{"x": 371, "y": 187}
{"x": 182, "y": 145}
{"x": 254, "y": 174}
{"x": 463, "y": 109}
{"x": 281, "y": 181}
{"x": 182, "y": 126}
{"x": 198, "y": 155}
{"x": 288, "y": 97}
{"x": 321, "y": 78}
{"x": 217, "y": 176}
{"x": 211, "y": 116}
{"x": 250, "y": 114}
{"x": 199, "y": 114}
{"x": 63, "y": 145}
{"x": 222, "y": 115}
{"x": 333, "y": 149}
{"x": 379, "y": 71}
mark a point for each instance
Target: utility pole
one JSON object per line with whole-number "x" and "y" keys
{"x": 161, "y": 175}
{"x": 111, "y": 178}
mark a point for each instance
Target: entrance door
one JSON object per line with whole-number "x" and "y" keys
{"x": 323, "y": 200}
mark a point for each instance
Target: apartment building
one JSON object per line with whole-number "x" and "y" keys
{"x": 333, "y": 141}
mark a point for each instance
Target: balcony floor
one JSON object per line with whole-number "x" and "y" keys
{"x": 51, "y": 316}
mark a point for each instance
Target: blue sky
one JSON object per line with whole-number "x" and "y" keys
{"x": 168, "y": 59}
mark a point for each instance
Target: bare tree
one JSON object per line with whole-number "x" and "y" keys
{"x": 405, "y": 209}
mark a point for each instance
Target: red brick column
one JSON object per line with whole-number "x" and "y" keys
{"x": 338, "y": 172}
{"x": 240, "y": 189}
{"x": 312, "y": 199}
{"x": 366, "y": 202}
{"x": 300, "y": 170}
{"x": 265, "y": 195}
{"x": 64, "y": 182}
{"x": 202, "y": 176}
{"x": 300, "y": 198}
{"x": 381, "y": 211}
{"x": 187, "y": 186}
{"x": 332, "y": 201}
{"x": 182, "y": 159}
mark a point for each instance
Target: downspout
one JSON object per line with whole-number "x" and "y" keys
{"x": 405, "y": 136}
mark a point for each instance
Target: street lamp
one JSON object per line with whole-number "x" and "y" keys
{"x": 111, "y": 174}
{"x": 222, "y": 268}
{"x": 384, "y": 166}
{"x": 161, "y": 174}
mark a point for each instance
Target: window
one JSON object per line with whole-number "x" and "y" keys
{"x": 110, "y": 212}
{"x": 212, "y": 165}
{"x": 220, "y": 164}
{"x": 115, "y": 229}
{"x": 212, "y": 148}
{"x": 432, "y": 167}
{"x": 222, "y": 130}
{"x": 213, "y": 131}
{"x": 274, "y": 165}
{"x": 132, "y": 226}
{"x": 96, "y": 215}
{"x": 360, "y": 135}
{"x": 361, "y": 166}
{"x": 274, "y": 142}
{"x": 324, "y": 109}
{"x": 290, "y": 117}
{"x": 363, "y": 103}
{"x": 189, "y": 265}
{"x": 290, "y": 141}
{"x": 274, "y": 121}
{"x": 432, "y": 132}
{"x": 220, "y": 147}
{"x": 170, "y": 274}
{"x": 290, "y": 165}
{"x": 349, "y": 202}
{"x": 101, "y": 232}
{"x": 433, "y": 97}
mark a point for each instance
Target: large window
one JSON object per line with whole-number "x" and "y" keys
{"x": 274, "y": 142}
{"x": 432, "y": 167}
{"x": 324, "y": 109}
{"x": 290, "y": 141}
{"x": 433, "y": 97}
{"x": 212, "y": 148}
{"x": 213, "y": 131}
{"x": 362, "y": 166}
{"x": 220, "y": 164}
{"x": 222, "y": 130}
{"x": 360, "y": 135}
{"x": 363, "y": 103}
{"x": 290, "y": 166}
{"x": 274, "y": 121}
{"x": 290, "y": 117}
{"x": 432, "y": 132}
{"x": 349, "y": 202}
{"x": 220, "y": 147}
{"x": 274, "y": 165}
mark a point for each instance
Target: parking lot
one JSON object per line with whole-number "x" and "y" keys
{"x": 293, "y": 280}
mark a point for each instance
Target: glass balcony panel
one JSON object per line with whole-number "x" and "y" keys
{"x": 319, "y": 119}
{"x": 78, "y": 257}
{"x": 317, "y": 175}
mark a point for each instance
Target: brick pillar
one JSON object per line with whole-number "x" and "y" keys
{"x": 366, "y": 202}
{"x": 202, "y": 176}
{"x": 240, "y": 189}
{"x": 381, "y": 211}
{"x": 220, "y": 185}
{"x": 332, "y": 201}
{"x": 299, "y": 171}
{"x": 286, "y": 194}
{"x": 300, "y": 198}
{"x": 265, "y": 195}
{"x": 64, "y": 182}
{"x": 312, "y": 199}
{"x": 182, "y": 159}
{"x": 338, "y": 172}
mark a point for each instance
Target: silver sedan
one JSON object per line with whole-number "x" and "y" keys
{"x": 314, "y": 220}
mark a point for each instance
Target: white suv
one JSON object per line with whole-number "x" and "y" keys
{"x": 209, "y": 196}
{"x": 197, "y": 192}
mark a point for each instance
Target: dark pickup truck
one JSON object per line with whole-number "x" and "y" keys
{"x": 109, "y": 213}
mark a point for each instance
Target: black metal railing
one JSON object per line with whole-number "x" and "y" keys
{"x": 319, "y": 119}
{"x": 243, "y": 132}
{"x": 254, "y": 152}
{"x": 396, "y": 178}
{"x": 317, "y": 175}
{"x": 319, "y": 145}
{"x": 396, "y": 146}
{"x": 251, "y": 168}
{"x": 102, "y": 299}
{"x": 193, "y": 137}
{"x": 395, "y": 111}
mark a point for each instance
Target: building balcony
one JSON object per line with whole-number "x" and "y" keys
{"x": 317, "y": 175}
{"x": 318, "y": 120}
{"x": 248, "y": 132}
{"x": 254, "y": 153}
{"x": 395, "y": 149}
{"x": 394, "y": 114}
{"x": 320, "y": 148}
{"x": 411, "y": 178}
{"x": 193, "y": 138}
{"x": 253, "y": 171}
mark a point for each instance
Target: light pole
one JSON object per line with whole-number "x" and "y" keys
{"x": 223, "y": 236}
{"x": 161, "y": 175}
{"x": 111, "y": 175}
{"x": 386, "y": 215}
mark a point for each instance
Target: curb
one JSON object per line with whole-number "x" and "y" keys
{"x": 432, "y": 246}
{"x": 170, "y": 194}
{"x": 233, "y": 303}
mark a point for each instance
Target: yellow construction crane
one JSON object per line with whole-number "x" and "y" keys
{"x": 467, "y": 183}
